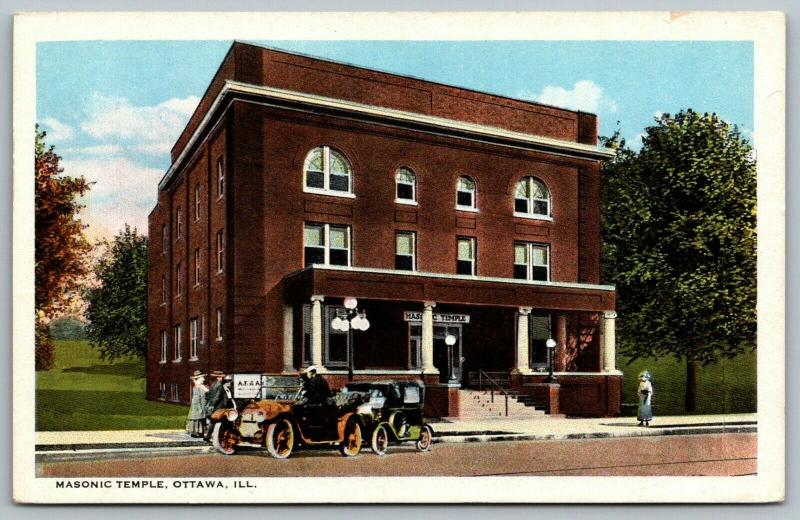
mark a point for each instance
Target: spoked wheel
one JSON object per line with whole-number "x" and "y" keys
{"x": 280, "y": 439}
{"x": 351, "y": 443}
{"x": 425, "y": 439}
{"x": 380, "y": 440}
{"x": 223, "y": 437}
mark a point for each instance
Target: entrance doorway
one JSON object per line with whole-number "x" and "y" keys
{"x": 442, "y": 351}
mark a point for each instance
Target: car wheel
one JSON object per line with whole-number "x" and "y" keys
{"x": 380, "y": 440}
{"x": 224, "y": 438}
{"x": 280, "y": 439}
{"x": 351, "y": 443}
{"x": 425, "y": 439}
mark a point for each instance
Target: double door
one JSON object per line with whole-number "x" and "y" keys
{"x": 446, "y": 358}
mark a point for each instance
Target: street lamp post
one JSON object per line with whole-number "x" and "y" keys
{"x": 551, "y": 347}
{"x": 347, "y": 321}
{"x": 450, "y": 340}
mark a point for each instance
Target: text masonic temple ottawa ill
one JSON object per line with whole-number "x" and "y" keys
{"x": 466, "y": 225}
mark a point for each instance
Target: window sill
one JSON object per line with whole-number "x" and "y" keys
{"x": 194, "y": 359}
{"x": 163, "y": 304}
{"x": 533, "y": 217}
{"x": 219, "y": 339}
{"x": 162, "y": 362}
{"x": 220, "y": 197}
{"x": 177, "y": 360}
{"x": 196, "y": 286}
{"x": 219, "y": 272}
{"x": 406, "y": 202}
{"x": 331, "y": 193}
{"x": 465, "y": 208}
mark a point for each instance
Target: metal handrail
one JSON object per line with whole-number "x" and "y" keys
{"x": 481, "y": 373}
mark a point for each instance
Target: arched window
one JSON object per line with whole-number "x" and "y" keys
{"x": 532, "y": 198}
{"x": 406, "y": 185}
{"x": 327, "y": 171}
{"x": 465, "y": 194}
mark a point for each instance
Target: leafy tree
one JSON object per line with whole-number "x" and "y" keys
{"x": 679, "y": 230}
{"x": 117, "y": 306}
{"x": 61, "y": 248}
{"x": 67, "y": 327}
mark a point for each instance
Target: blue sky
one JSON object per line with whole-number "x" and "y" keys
{"x": 114, "y": 108}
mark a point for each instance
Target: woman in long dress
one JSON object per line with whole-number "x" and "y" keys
{"x": 645, "y": 412}
{"x": 195, "y": 425}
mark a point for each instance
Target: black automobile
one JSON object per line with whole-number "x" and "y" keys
{"x": 396, "y": 414}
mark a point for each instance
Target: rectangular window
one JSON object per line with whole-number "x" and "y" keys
{"x": 219, "y": 323}
{"x": 539, "y": 332}
{"x": 531, "y": 261}
{"x": 220, "y": 251}
{"x": 197, "y": 203}
{"x": 174, "y": 396}
{"x": 336, "y": 341}
{"x": 197, "y": 266}
{"x": 164, "y": 238}
{"x": 220, "y": 178}
{"x": 163, "y": 289}
{"x": 405, "y": 255}
{"x": 326, "y": 244}
{"x": 162, "y": 391}
{"x": 193, "y": 338}
{"x": 202, "y": 329}
{"x": 164, "y": 346}
{"x": 307, "y": 331}
{"x": 465, "y": 263}
{"x": 178, "y": 224}
{"x": 415, "y": 347}
{"x": 178, "y": 280}
{"x": 177, "y": 345}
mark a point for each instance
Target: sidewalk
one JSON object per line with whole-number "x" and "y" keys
{"x": 447, "y": 430}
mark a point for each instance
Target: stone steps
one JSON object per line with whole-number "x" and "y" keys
{"x": 476, "y": 404}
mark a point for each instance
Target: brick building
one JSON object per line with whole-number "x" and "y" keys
{"x": 299, "y": 182}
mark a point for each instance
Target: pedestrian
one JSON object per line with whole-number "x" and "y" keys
{"x": 196, "y": 422}
{"x": 214, "y": 399}
{"x": 645, "y": 411}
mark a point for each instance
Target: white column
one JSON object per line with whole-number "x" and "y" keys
{"x": 523, "y": 365}
{"x": 316, "y": 330}
{"x": 288, "y": 339}
{"x": 427, "y": 339}
{"x": 609, "y": 341}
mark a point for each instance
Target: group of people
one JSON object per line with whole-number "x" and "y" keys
{"x": 206, "y": 400}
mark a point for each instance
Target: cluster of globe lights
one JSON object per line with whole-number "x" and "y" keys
{"x": 359, "y": 322}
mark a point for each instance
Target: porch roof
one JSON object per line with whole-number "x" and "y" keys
{"x": 387, "y": 284}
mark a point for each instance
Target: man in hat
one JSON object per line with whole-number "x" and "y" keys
{"x": 217, "y": 397}
{"x": 196, "y": 421}
{"x": 316, "y": 388}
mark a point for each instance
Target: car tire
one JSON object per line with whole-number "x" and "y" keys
{"x": 425, "y": 438}
{"x": 223, "y": 438}
{"x": 380, "y": 440}
{"x": 351, "y": 443}
{"x": 280, "y": 439}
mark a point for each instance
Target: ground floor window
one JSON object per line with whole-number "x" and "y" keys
{"x": 174, "y": 395}
{"x": 307, "y": 331}
{"x": 539, "y": 331}
{"x": 337, "y": 342}
{"x": 162, "y": 391}
{"x": 415, "y": 347}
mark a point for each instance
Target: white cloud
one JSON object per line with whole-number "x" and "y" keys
{"x": 57, "y": 131}
{"x": 100, "y": 149}
{"x": 150, "y": 129}
{"x": 585, "y": 95}
{"x": 123, "y": 192}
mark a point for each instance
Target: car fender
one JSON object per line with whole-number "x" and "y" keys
{"x": 343, "y": 422}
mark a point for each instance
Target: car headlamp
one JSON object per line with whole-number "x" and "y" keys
{"x": 231, "y": 415}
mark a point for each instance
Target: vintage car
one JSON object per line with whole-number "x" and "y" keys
{"x": 281, "y": 419}
{"x": 396, "y": 416}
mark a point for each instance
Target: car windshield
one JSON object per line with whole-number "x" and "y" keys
{"x": 279, "y": 387}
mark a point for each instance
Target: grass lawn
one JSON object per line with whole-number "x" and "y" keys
{"x": 82, "y": 392}
{"x": 728, "y": 386}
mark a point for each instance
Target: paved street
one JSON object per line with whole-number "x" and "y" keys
{"x": 709, "y": 454}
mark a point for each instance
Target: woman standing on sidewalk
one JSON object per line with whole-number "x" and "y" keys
{"x": 645, "y": 412}
{"x": 196, "y": 423}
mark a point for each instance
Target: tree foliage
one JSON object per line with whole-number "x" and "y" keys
{"x": 117, "y": 307}
{"x": 67, "y": 327}
{"x": 60, "y": 247}
{"x": 679, "y": 230}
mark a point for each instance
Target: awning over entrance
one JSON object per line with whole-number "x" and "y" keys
{"x": 386, "y": 284}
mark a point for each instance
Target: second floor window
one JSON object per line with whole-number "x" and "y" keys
{"x": 164, "y": 346}
{"x": 176, "y": 353}
{"x": 164, "y": 238}
{"x": 532, "y": 198}
{"x": 178, "y": 224}
{"x": 406, "y": 189}
{"x": 327, "y": 170}
{"x": 197, "y": 203}
{"x": 220, "y": 251}
{"x": 326, "y": 244}
{"x": 163, "y": 289}
{"x": 405, "y": 251}
{"x": 220, "y": 178}
{"x": 178, "y": 280}
{"x": 194, "y": 335}
{"x": 531, "y": 261}
{"x": 197, "y": 266}
{"x": 465, "y": 194}
{"x": 219, "y": 323}
{"x": 466, "y": 256}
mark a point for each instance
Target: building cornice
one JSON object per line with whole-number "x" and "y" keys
{"x": 422, "y": 122}
{"x": 448, "y": 276}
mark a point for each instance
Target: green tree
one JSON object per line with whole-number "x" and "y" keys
{"x": 67, "y": 327}
{"x": 679, "y": 231}
{"x": 60, "y": 247}
{"x": 117, "y": 306}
